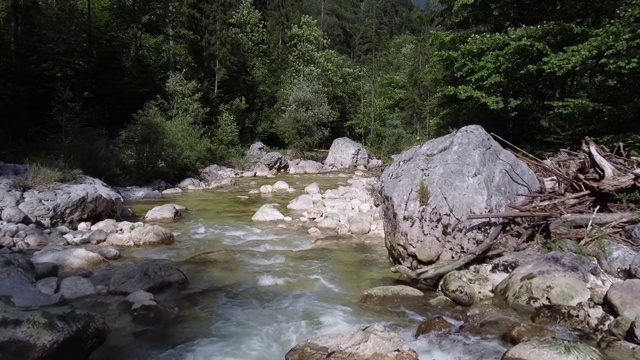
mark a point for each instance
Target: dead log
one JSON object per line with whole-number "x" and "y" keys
{"x": 509, "y": 215}
{"x": 582, "y": 220}
{"x": 608, "y": 169}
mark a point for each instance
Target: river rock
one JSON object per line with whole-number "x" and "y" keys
{"x": 305, "y": 167}
{"x": 75, "y": 287}
{"x": 98, "y": 236}
{"x": 281, "y": 186}
{"x": 556, "y": 278}
{"x": 455, "y": 287}
{"x": 619, "y": 327}
{"x": 107, "y": 252}
{"x": 69, "y": 259}
{"x": 144, "y": 234}
{"x": 37, "y": 240}
{"x": 167, "y": 212}
{"x": 217, "y": 173}
{"x": 47, "y": 286}
{"x": 146, "y": 313}
{"x": 301, "y": 203}
{"x": 488, "y": 322}
{"x": 552, "y": 349}
{"x": 433, "y": 324}
{"x": 633, "y": 334}
{"x": 17, "y": 285}
{"x": 70, "y": 204}
{"x": 257, "y": 151}
{"x": 615, "y": 258}
{"x": 345, "y": 153}
{"x": 620, "y": 350}
{"x": 134, "y": 193}
{"x": 148, "y": 277}
{"x": 267, "y": 212}
{"x": 428, "y": 191}
{"x": 383, "y": 295}
{"x": 622, "y": 298}
{"x": 524, "y": 332}
{"x": 191, "y": 184}
{"x": 312, "y": 189}
{"x": 360, "y": 224}
{"x": 140, "y": 296}
{"x": 370, "y": 342}
{"x": 59, "y": 333}
{"x": 107, "y": 225}
{"x": 634, "y": 267}
{"x": 45, "y": 269}
{"x": 172, "y": 191}
{"x": 274, "y": 161}
{"x": 13, "y": 214}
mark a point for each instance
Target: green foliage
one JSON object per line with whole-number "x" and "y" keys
{"x": 46, "y": 173}
{"x": 306, "y": 116}
{"x": 423, "y": 193}
{"x": 225, "y": 141}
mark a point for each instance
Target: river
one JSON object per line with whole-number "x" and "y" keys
{"x": 257, "y": 289}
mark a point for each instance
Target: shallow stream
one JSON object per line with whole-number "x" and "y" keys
{"x": 257, "y": 290}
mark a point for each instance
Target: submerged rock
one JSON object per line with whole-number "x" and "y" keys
{"x": 552, "y": 349}
{"x": 370, "y": 342}
{"x": 50, "y": 334}
{"x": 148, "y": 277}
{"x": 524, "y": 332}
{"x": 428, "y": 191}
{"x": 389, "y": 294}
{"x": 433, "y": 324}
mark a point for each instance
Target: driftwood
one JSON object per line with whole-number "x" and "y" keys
{"x": 508, "y": 215}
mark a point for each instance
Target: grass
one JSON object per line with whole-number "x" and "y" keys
{"x": 423, "y": 193}
{"x": 42, "y": 174}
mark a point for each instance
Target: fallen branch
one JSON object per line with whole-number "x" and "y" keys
{"x": 508, "y": 215}
{"x": 608, "y": 169}
{"x": 582, "y": 220}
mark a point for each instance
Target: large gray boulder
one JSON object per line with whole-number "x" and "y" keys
{"x": 17, "y": 284}
{"x": 267, "y": 212}
{"x": 70, "y": 204}
{"x": 217, "y": 173}
{"x": 428, "y": 191}
{"x": 274, "y": 161}
{"x": 370, "y": 342}
{"x": 556, "y": 278}
{"x": 257, "y": 151}
{"x": 305, "y": 167}
{"x": 133, "y": 193}
{"x": 13, "y": 214}
{"x": 147, "y": 277}
{"x": 167, "y": 212}
{"x": 345, "y": 153}
{"x": 69, "y": 259}
{"x": 552, "y": 349}
{"x": 622, "y": 298}
{"x": 58, "y": 333}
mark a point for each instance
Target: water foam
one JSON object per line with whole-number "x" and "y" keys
{"x": 270, "y": 280}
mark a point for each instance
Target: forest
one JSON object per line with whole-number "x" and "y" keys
{"x": 135, "y": 90}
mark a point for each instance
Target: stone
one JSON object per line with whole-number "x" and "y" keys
{"x": 217, "y": 173}
{"x": 634, "y": 267}
{"x": 428, "y": 191}
{"x": 488, "y": 322}
{"x": 107, "y": 225}
{"x": 524, "y": 332}
{"x": 570, "y": 317}
{"x": 75, "y": 287}
{"x": 266, "y": 189}
{"x": 191, "y": 183}
{"x": 107, "y": 252}
{"x": 328, "y": 223}
{"x": 552, "y": 349}
{"x": 305, "y": 167}
{"x": 10, "y": 229}
{"x": 135, "y": 193}
{"x": 620, "y": 350}
{"x": 257, "y": 151}
{"x": 389, "y": 294}
{"x": 69, "y": 259}
{"x": 98, "y": 236}
{"x": 374, "y": 164}
{"x": 139, "y": 297}
{"x": 434, "y": 324}
{"x": 45, "y": 269}
{"x": 281, "y": 186}
{"x": 172, "y": 191}
{"x": 36, "y": 240}
{"x": 167, "y": 212}
{"x": 368, "y": 343}
{"x": 17, "y": 285}
{"x": 267, "y": 212}
{"x": 314, "y": 231}
{"x": 146, "y": 312}
{"x": 614, "y": 258}
{"x": 622, "y": 298}
{"x": 312, "y": 189}
{"x": 633, "y": 233}
{"x": 556, "y": 278}
{"x": 633, "y": 334}
{"x": 360, "y": 224}
{"x": 620, "y": 327}
{"x": 301, "y": 203}
{"x": 70, "y": 204}
{"x": 152, "y": 235}
{"x": 274, "y": 161}
{"x": 345, "y": 153}
{"x": 148, "y": 277}
{"x": 63, "y": 229}
{"x": 15, "y": 215}
{"x": 47, "y": 286}
{"x": 56, "y": 333}
{"x": 456, "y": 288}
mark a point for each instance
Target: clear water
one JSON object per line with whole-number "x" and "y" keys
{"x": 257, "y": 290}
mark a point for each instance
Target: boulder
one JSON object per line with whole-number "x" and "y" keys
{"x": 620, "y": 350}
{"x": 619, "y": 327}
{"x": 257, "y": 151}
{"x": 383, "y": 295}
{"x": 274, "y": 161}
{"x": 98, "y": 236}
{"x": 301, "y": 203}
{"x": 17, "y": 285}
{"x": 433, "y": 324}
{"x": 523, "y": 332}
{"x": 75, "y": 287}
{"x": 172, "y": 191}
{"x": 305, "y": 167}
{"x": 107, "y": 225}
{"x": 47, "y": 286}
{"x": 144, "y": 234}
{"x": 134, "y": 193}
{"x": 191, "y": 183}
{"x": 360, "y": 224}
{"x": 556, "y": 278}
{"x": 455, "y": 287}
{"x": 281, "y": 186}
{"x": 345, "y": 153}
{"x": 146, "y": 312}
{"x": 13, "y": 214}
{"x": 148, "y": 277}
{"x": 266, "y": 189}
{"x": 59, "y": 333}
{"x": 267, "y": 212}
{"x": 36, "y": 240}
{"x": 428, "y": 191}
{"x": 552, "y": 349}
{"x": 488, "y": 322}
{"x": 167, "y": 212}
{"x": 614, "y": 258}
{"x": 622, "y": 298}
{"x": 140, "y": 296}
{"x": 69, "y": 259}
{"x": 633, "y": 334}
{"x": 370, "y": 342}
{"x": 217, "y": 173}
{"x": 70, "y": 204}
{"x": 312, "y": 189}
{"x": 634, "y": 267}
{"x": 107, "y": 252}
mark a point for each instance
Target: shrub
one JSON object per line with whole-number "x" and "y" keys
{"x": 423, "y": 193}
{"x": 42, "y": 174}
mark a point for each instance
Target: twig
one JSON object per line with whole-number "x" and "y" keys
{"x": 509, "y": 215}
{"x": 589, "y": 226}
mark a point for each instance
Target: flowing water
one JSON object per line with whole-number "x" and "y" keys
{"x": 257, "y": 290}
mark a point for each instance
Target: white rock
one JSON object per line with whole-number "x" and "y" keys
{"x": 266, "y": 189}
{"x": 280, "y": 186}
{"x": 301, "y": 203}
{"x": 172, "y": 191}
{"x": 267, "y": 213}
{"x": 313, "y": 188}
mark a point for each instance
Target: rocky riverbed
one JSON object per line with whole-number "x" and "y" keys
{"x": 290, "y": 259}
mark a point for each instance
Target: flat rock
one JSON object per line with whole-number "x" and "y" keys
{"x": 312, "y": 189}
{"x": 167, "y": 212}
{"x": 301, "y": 203}
{"x": 267, "y": 212}
{"x": 148, "y": 277}
{"x": 48, "y": 286}
{"x": 552, "y": 349}
{"x": 622, "y": 298}
{"x": 15, "y": 215}
{"x": 75, "y": 287}
{"x": 69, "y": 259}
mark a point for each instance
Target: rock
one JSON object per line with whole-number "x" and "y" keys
{"x": 59, "y": 333}
{"x": 167, "y": 212}
{"x": 36, "y": 240}
{"x": 633, "y": 334}
{"x": 17, "y": 285}
{"x": 266, "y": 189}
{"x": 456, "y": 288}
{"x": 63, "y": 230}
{"x": 524, "y": 332}
{"x": 65, "y": 204}
{"x": 345, "y": 153}
{"x": 134, "y": 193}
{"x": 614, "y": 258}
{"x": 74, "y": 287}
{"x": 312, "y": 189}
{"x": 556, "y": 278}
{"x": 428, "y": 191}
{"x": 622, "y": 298}
{"x": 633, "y": 233}
{"x": 375, "y": 163}
{"x": 148, "y": 277}
{"x": 6, "y": 242}
{"x": 305, "y": 167}
{"x": 107, "y": 252}
{"x": 45, "y": 269}
{"x": 140, "y": 296}
{"x": 47, "y": 286}
{"x": 488, "y": 322}
{"x": 13, "y": 214}
{"x": 281, "y": 186}
{"x": 620, "y": 327}
{"x": 301, "y": 203}
{"x": 360, "y": 224}
{"x": 634, "y": 267}
{"x": 98, "y": 236}
{"x": 108, "y": 225}
{"x": 152, "y": 235}
{"x": 383, "y": 295}
{"x": 191, "y": 183}
{"x": 172, "y": 191}
{"x": 552, "y": 349}
{"x": 328, "y": 223}
{"x": 10, "y": 229}
{"x": 368, "y": 343}
{"x": 257, "y": 151}
{"x": 274, "y": 161}
{"x": 314, "y": 231}
{"x": 434, "y": 324}
{"x": 621, "y": 350}
{"x": 267, "y": 212}
{"x": 146, "y": 313}
{"x": 217, "y": 173}
{"x": 571, "y": 317}
{"x": 69, "y": 259}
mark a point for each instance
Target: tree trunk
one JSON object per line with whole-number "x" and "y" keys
{"x": 373, "y": 93}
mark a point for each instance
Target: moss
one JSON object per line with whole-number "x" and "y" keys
{"x": 423, "y": 193}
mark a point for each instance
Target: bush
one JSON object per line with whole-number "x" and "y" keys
{"x": 42, "y": 174}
